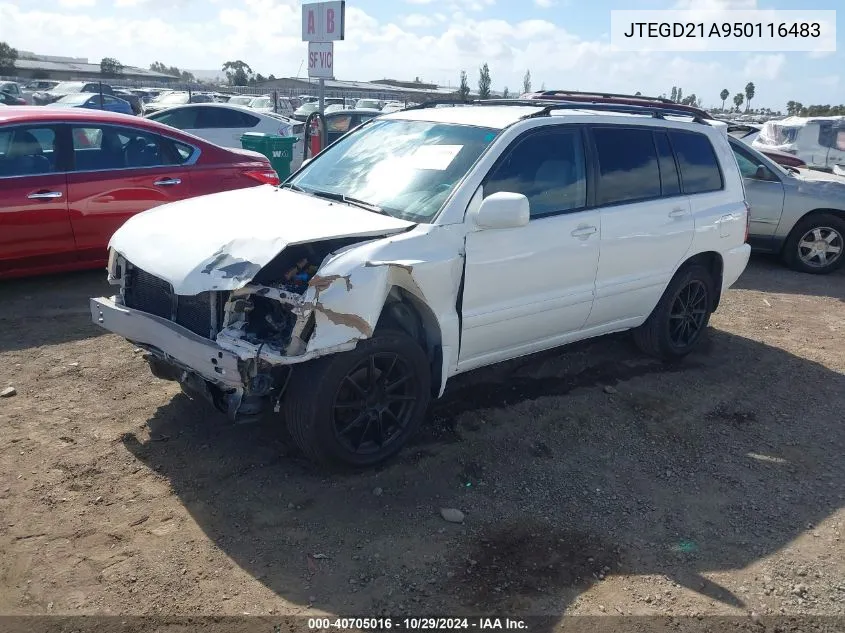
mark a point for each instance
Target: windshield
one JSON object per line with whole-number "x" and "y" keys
{"x": 173, "y": 97}
{"x": 263, "y": 102}
{"x": 406, "y": 168}
{"x": 308, "y": 107}
{"x": 367, "y": 104}
{"x": 240, "y": 100}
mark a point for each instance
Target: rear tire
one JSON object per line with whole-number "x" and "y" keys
{"x": 815, "y": 244}
{"x": 359, "y": 408}
{"x": 678, "y": 322}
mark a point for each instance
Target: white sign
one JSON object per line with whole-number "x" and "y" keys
{"x": 323, "y": 21}
{"x": 321, "y": 59}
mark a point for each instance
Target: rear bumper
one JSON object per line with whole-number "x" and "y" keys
{"x": 171, "y": 342}
{"x": 734, "y": 262}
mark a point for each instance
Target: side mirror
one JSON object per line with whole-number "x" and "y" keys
{"x": 761, "y": 173}
{"x": 503, "y": 210}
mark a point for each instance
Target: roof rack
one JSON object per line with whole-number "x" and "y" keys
{"x": 607, "y": 97}
{"x": 658, "y": 111}
{"x": 600, "y": 95}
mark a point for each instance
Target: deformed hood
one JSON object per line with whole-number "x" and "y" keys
{"x": 221, "y": 241}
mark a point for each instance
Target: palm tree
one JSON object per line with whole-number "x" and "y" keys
{"x": 724, "y": 95}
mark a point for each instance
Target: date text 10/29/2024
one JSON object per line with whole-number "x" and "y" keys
{"x": 411, "y": 624}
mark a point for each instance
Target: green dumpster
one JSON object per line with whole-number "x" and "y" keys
{"x": 279, "y": 149}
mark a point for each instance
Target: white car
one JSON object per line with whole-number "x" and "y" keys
{"x": 424, "y": 244}
{"x": 224, "y": 124}
{"x": 818, "y": 141}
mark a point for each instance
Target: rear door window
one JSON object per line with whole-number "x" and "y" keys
{"x": 700, "y": 171}
{"x": 670, "y": 185}
{"x": 99, "y": 148}
{"x": 628, "y": 165}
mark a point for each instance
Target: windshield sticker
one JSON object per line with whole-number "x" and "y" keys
{"x": 437, "y": 157}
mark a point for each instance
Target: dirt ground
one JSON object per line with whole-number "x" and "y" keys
{"x": 593, "y": 480}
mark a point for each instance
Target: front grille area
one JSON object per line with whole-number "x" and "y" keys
{"x": 148, "y": 293}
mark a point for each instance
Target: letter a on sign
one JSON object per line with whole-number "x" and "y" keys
{"x": 323, "y": 21}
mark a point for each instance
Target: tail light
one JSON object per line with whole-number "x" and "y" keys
{"x": 263, "y": 176}
{"x": 747, "y": 220}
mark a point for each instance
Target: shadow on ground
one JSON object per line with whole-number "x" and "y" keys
{"x": 49, "y": 310}
{"x": 570, "y": 466}
{"x": 767, "y": 273}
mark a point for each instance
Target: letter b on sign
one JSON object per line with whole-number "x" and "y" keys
{"x": 330, "y": 21}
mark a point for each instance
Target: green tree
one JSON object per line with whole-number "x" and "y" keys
{"x": 484, "y": 82}
{"x": 463, "y": 90}
{"x": 237, "y": 72}
{"x": 110, "y": 67}
{"x": 638, "y": 94}
{"x": 259, "y": 78}
{"x": 738, "y": 99}
{"x": 724, "y": 95}
{"x": 272, "y": 77}
{"x": 749, "y": 94}
{"x": 506, "y": 94}
{"x": 8, "y": 57}
{"x": 680, "y": 95}
{"x": 526, "y": 82}
{"x": 674, "y": 96}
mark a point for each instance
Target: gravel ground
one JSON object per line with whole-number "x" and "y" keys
{"x": 592, "y": 480}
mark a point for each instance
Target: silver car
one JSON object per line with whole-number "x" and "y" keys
{"x": 799, "y": 214}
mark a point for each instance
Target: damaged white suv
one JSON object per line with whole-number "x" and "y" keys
{"x": 427, "y": 243}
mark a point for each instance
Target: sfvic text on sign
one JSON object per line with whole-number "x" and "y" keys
{"x": 321, "y": 59}
{"x": 323, "y": 21}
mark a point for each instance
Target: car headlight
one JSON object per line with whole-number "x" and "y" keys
{"x": 115, "y": 267}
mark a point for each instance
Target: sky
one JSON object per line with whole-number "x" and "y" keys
{"x": 564, "y": 43}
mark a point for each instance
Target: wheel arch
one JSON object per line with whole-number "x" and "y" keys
{"x": 407, "y": 311}
{"x": 714, "y": 262}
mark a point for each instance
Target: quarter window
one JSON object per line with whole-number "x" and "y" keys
{"x": 628, "y": 165}
{"x": 699, "y": 167}
{"x": 546, "y": 167}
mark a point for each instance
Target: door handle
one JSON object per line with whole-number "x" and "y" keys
{"x": 168, "y": 182}
{"x": 678, "y": 212}
{"x": 45, "y": 195}
{"x": 726, "y": 218}
{"x": 584, "y": 231}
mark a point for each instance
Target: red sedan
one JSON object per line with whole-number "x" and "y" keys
{"x": 70, "y": 178}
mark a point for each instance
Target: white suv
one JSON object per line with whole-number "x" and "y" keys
{"x": 425, "y": 244}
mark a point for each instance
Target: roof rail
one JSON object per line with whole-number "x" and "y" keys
{"x": 658, "y": 112}
{"x": 599, "y": 97}
{"x": 602, "y": 95}
{"x": 547, "y": 106}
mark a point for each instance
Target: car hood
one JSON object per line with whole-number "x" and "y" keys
{"x": 221, "y": 241}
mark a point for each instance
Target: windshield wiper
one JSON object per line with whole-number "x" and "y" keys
{"x": 290, "y": 185}
{"x": 339, "y": 197}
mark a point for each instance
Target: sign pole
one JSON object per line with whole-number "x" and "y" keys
{"x": 322, "y": 95}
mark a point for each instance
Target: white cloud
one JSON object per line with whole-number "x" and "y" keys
{"x": 766, "y": 67}
{"x": 418, "y": 21}
{"x": 545, "y": 4}
{"x": 77, "y": 4}
{"x": 419, "y": 1}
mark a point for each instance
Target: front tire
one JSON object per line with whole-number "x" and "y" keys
{"x": 680, "y": 319}
{"x": 815, "y": 244}
{"x": 359, "y": 408}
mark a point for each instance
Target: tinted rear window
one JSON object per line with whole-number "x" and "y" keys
{"x": 668, "y": 170}
{"x": 628, "y": 167}
{"x": 697, "y": 160}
